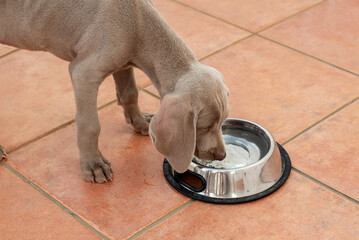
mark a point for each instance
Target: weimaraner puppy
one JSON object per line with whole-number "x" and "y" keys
{"x": 100, "y": 38}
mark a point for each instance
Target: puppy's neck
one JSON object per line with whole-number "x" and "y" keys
{"x": 161, "y": 53}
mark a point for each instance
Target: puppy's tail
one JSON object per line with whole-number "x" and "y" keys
{"x": 2, "y": 153}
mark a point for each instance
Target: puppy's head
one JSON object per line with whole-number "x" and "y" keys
{"x": 190, "y": 118}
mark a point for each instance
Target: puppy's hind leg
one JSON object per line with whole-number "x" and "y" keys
{"x": 127, "y": 96}
{"x": 2, "y": 153}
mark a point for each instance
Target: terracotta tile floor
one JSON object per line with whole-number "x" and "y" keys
{"x": 290, "y": 65}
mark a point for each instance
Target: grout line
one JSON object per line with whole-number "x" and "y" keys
{"x": 290, "y": 16}
{"x": 308, "y": 55}
{"x": 42, "y": 136}
{"x": 245, "y": 29}
{"x": 212, "y": 16}
{"x": 106, "y": 105}
{"x": 257, "y": 34}
{"x": 320, "y": 121}
{"x": 11, "y": 52}
{"x": 149, "y": 93}
{"x": 51, "y": 198}
{"x": 67, "y": 124}
{"x": 310, "y": 177}
{"x": 160, "y": 220}
{"x": 55, "y": 129}
{"x": 225, "y": 47}
{"x": 325, "y": 186}
{"x": 147, "y": 85}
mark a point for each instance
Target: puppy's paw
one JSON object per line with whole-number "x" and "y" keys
{"x": 96, "y": 169}
{"x": 147, "y": 116}
{"x": 141, "y": 122}
{"x": 2, "y": 153}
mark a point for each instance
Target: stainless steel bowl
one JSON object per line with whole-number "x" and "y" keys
{"x": 255, "y": 166}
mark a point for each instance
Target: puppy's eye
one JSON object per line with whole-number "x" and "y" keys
{"x": 204, "y": 129}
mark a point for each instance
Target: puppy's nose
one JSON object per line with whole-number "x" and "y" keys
{"x": 220, "y": 156}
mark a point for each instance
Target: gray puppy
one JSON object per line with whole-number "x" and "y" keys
{"x": 100, "y": 38}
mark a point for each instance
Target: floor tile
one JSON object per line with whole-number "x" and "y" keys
{"x": 139, "y": 193}
{"x": 329, "y": 32}
{"x": 252, "y": 15}
{"x": 4, "y": 49}
{"x": 280, "y": 89}
{"x": 299, "y": 210}
{"x": 329, "y": 151}
{"x": 142, "y": 80}
{"x": 151, "y": 88}
{"x": 27, "y": 214}
{"x": 36, "y": 96}
{"x": 200, "y": 32}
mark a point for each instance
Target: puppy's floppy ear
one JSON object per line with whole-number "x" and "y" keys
{"x": 173, "y": 131}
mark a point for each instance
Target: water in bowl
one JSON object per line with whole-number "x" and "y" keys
{"x": 244, "y": 146}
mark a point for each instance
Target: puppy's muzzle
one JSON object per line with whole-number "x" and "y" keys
{"x": 220, "y": 156}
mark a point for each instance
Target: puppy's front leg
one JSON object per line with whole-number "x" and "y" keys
{"x": 127, "y": 96}
{"x": 86, "y": 82}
